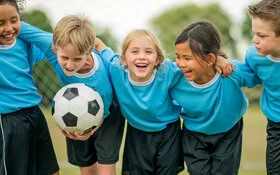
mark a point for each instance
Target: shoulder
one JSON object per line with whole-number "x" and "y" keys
{"x": 252, "y": 50}
{"x": 252, "y": 56}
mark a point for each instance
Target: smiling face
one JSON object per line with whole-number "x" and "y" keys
{"x": 70, "y": 60}
{"x": 9, "y": 24}
{"x": 265, "y": 38}
{"x": 141, "y": 58}
{"x": 193, "y": 66}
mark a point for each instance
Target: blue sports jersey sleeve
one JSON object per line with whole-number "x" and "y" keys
{"x": 39, "y": 38}
{"x": 244, "y": 74}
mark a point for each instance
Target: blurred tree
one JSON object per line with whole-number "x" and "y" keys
{"x": 246, "y": 28}
{"x": 38, "y": 18}
{"x": 171, "y": 22}
{"x": 107, "y": 37}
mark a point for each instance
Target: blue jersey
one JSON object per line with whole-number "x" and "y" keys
{"x": 97, "y": 78}
{"x": 214, "y": 107}
{"x": 267, "y": 68}
{"x": 17, "y": 86}
{"x": 147, "y": 106}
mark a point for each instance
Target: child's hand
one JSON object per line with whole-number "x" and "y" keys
{"x": 77, "y": 136}
{"x": 224, "y": 66}
{"x": 99, "y": 45}
{"x": 84, "y": 136}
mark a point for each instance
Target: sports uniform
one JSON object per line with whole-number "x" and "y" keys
{"x": 25, "y": 145}
{"x": 212, "y": 114}
{"x": 103, "y": 147}
{"x": 267, "y": 68}
{"x": 153, "y": 140}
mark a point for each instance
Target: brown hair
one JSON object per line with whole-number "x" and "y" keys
{"x": 267, "y": 10}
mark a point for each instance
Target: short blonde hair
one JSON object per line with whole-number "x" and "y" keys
{"x": 152, "y": 37}
{"x": 76, "y": 30}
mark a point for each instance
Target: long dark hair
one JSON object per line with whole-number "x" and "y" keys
{"x": 203, "y": 38}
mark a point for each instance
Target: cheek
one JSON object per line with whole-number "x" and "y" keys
{"x": 60, "y": 61}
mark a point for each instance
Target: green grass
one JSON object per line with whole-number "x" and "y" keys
{"x": 253, "y": 153}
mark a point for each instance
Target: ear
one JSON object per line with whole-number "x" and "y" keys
{"x": 123, "y": 60}
{"x": 53, "y": 48}
{"x": 211, "y": 59}
{"x": 157, "y": 63}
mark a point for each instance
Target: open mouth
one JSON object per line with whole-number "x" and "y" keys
{"x": 8, "y": 37}
{"x": 141, "y": 66}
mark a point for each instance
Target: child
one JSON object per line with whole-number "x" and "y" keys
{"x": 212, "y": 106}
{"x": 25, "y": 145}
{"x": 75, "y": 62}
{"x": 264, "y": 58}
{"x": 142, "y": 79}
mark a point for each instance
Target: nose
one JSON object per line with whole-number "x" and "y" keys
{"x": 180, "y": 63}
{"x": 69, "y": 65}
{"x": 255, "y": 39}
{"x": 141, "y": 55}
{"x": 8, "y": 27}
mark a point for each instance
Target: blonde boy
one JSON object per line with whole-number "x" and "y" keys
{"x": 75, "y": 62}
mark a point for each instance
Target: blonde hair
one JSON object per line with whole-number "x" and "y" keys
{"x": 75, "y": 30}
{"x": 152, "y": 37}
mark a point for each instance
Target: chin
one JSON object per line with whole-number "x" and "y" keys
{"x": 262, "y": 54}
{"x": 9, "y": 42}
{"x": 69, "y": 73}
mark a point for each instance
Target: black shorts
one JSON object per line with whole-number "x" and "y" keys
{"x": 213, "y": 154}
{"x": 153, "y": 152}
{"x": 273, "y": 148}
{"x": 28, "y": 145}
{"x": 103, "y": 146}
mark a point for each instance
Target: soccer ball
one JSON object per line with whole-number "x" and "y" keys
{"x": 77, "y": 108}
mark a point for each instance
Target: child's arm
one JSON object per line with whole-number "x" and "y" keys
{"x": 105, "y": 52}
{"x": 224, "y": 66}
{"x": 99, "y": 45}
{"x": 40, "y": 39}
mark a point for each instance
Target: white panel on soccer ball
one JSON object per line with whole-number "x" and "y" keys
{"x": 85, "y": 121}
{"x": 61, "y": 106}
{"x": 58, "y": 119}
{"x": 78, "y": 106}
{"x": 89, "y": 94}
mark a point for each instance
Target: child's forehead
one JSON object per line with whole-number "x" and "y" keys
{"x": 8, "y": 11}
{"x": 142, "y": 40}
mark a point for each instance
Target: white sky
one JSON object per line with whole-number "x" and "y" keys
{"x": 121, "y": 16}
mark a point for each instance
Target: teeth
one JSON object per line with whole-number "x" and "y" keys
{"x": 8, "y": 36}
{"x": 141, "y": 64}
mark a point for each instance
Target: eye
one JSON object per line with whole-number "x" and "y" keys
{"x": 64, "y": 58}
{"x": 78, "y": 59}
{"x": 14, "y": 20}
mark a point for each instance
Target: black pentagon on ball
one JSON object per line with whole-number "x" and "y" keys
{"x": 71, "y": 93}
{"x": 93, "y": 107}
{"x": 70, "y": 120}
